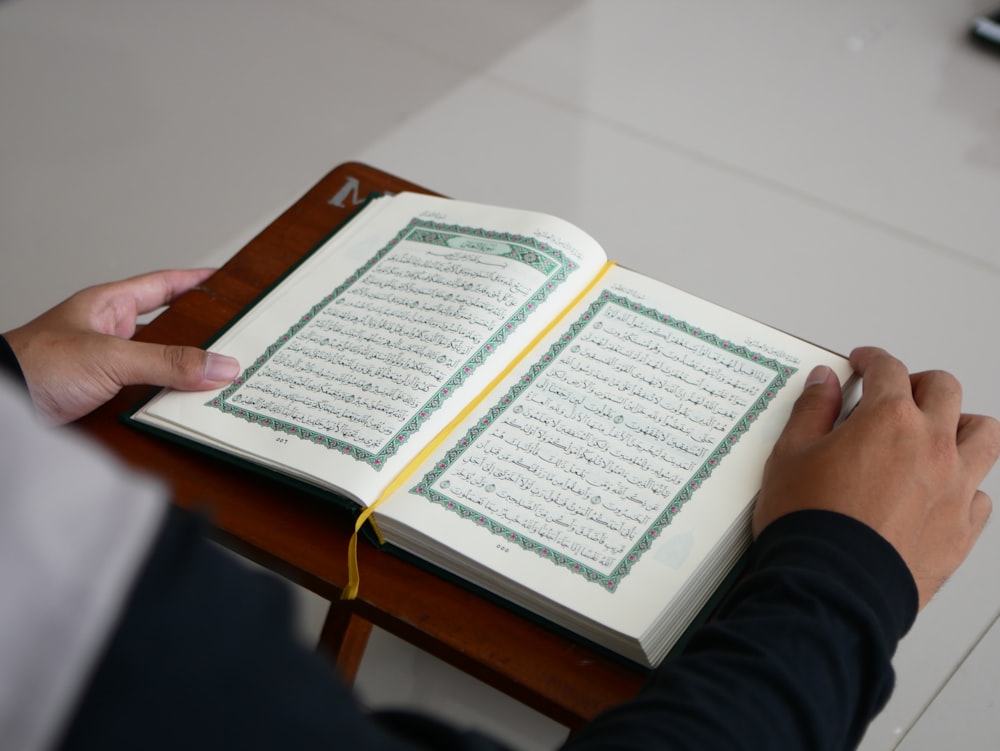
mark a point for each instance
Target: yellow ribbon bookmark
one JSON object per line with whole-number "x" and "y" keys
{"x": 353, "y": 572}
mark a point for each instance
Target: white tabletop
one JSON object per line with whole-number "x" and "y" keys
{"x": 830, "y": 168}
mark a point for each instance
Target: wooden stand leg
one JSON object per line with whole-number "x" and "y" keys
{"x": 344, "y": 638}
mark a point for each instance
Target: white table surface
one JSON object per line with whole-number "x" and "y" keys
{"x": 831, "y": 168}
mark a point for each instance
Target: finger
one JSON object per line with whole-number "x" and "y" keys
{"x": 158, "y": 288}
{"x": 979, "y": 513}
{"x": 978, "y": 439}
{"x": 112, "y": 308}
{"x": 939, "y": 395}
{"x": 184, "y": 368}
{"x": 817, "y": 408}
{"x": 883, "y": 376}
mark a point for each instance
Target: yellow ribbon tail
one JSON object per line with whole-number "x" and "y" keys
{"x": 350, "y": 590}
{"x": 353, "y": 573}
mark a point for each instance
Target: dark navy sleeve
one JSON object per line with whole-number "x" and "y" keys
{"x": 205, "y": 658}
{"x": 797, "y": 658}
{"x": 9, "y": 363}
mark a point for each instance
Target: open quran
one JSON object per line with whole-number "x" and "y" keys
{"x": 508, "y": 406}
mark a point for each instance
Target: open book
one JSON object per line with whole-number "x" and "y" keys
{"x": 567, "y": 434}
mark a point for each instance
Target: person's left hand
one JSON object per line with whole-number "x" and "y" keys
{"x": 79, "y": 355}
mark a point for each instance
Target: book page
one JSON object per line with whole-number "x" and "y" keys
{"x": 623, "y": 456}
{"x": 373, "y": 344}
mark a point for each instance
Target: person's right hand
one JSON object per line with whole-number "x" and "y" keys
{"x": 907, "y": 462}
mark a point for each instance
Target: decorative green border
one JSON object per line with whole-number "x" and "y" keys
{"x": 608, "y": 582}
{"x": 526, "y": 250}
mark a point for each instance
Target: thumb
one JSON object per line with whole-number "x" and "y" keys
{"x": 816, "y": 409}
{"x": 179, "y": 367}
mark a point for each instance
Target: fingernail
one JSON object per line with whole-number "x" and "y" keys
{"x": 819, "y": 374}
{"x": 221, "y": 367}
